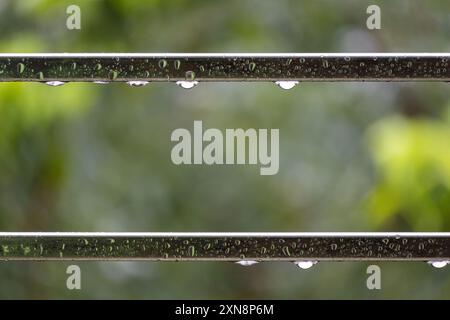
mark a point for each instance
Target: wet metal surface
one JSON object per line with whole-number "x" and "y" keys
{"x": 225, "y": 67}
{"x": 225, "y": 246}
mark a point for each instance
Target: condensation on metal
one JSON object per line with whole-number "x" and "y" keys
{"x": 225, "y": 67}
{"x": 226, "y": 246}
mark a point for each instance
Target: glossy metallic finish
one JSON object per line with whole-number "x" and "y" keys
{"x": 226, "y": 246}
{"x": 225, "y": 67}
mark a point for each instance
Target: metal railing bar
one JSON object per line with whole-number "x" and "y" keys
{"x": 225, "y": 246}
{"x": 123, "y": 67}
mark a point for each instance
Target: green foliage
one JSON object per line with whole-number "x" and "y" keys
{"x": 24, "y": 106}
{"x": 413, "y": 159}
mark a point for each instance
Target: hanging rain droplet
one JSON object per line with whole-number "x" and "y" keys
{"x": 252, "y": 66}
{"x": 286, "y": 85}
{"x": 187, "y": 84}
{"x": 305, "y": 264}
{"x": 137, "y": 83}
{"x": 247, "y": 263}
{"x": 438, "y": 264}
{"x": 177, "y": 64}
{"x": 55, "y": 83}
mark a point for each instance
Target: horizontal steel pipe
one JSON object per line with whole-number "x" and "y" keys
{"x": 225, "y": 246}
{"x": 48, "y": 67}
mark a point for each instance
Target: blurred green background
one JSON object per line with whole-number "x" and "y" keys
{"x": 353, "y": 156}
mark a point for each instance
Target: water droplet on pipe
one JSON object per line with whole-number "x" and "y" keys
{"x": 247, "y": 263}
{"x": 137, "y": 83}
{"x": 438, "y": 264}
{"x": 187, "y": 84}
{"x": 286, "y": 85}
{"x": 55, "y": 83}
{"x": 305, "y": 264}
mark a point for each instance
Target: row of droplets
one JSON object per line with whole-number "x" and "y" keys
{"x": 286, "y": 85}
{"x": 300, "y": 264}
{"x": 308, "y": 264}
